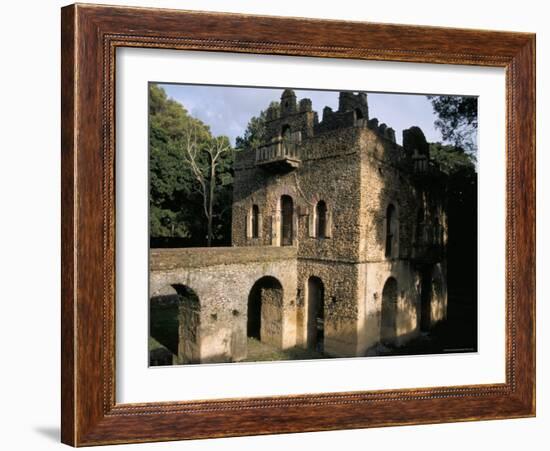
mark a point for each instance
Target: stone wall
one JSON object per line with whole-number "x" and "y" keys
{"x": 407, "y": 311}
{"x": 222, "y": 279}
{"x": 329, "y": 172}
{"x": 383, "y": 183}
{"x": 340, "y": 305}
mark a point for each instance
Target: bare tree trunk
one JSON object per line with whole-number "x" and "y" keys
{"x": 191, "y": 151}
{"x": 211, "y": 201}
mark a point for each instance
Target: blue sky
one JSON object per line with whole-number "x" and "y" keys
{"x": 227, "y": 110}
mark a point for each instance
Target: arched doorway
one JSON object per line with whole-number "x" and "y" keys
{"x": 287, "y": 217}
{"x": 315, "y": 314}
{"x": 389, "y": 312}
{"x": 265, "y": 303}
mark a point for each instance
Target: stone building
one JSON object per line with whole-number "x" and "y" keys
{"x": 338, "y": 236}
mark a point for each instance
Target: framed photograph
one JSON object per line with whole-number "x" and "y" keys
{"x": 279, "y": 225}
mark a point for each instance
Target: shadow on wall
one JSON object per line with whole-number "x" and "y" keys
{"x": 422, "y": 214}
{"x": 169, "y": 317}
{"x": 164, "y": 321}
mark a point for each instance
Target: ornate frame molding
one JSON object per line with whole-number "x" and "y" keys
{"x": 90, "y": 36}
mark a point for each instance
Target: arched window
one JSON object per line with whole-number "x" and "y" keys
{"x": 321, "y": 219}
{"x": 358, "y": 114}
{"x": 285, "y": 132}
{"x": 391, "y": 231}
{"x": 287, "y": 219}
{"x": 255, "y": 221}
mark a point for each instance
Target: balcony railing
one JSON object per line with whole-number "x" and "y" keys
{"x": 282, "y": 154}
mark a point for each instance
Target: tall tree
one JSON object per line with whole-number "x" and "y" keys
{"x": 457, "y": 120}
{"x": 205, "y": 174}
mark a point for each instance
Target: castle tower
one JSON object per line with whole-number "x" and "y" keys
{"x": 343, "y": 195}
{"x": 349, "y": 101}
{"x": 288, "y": 102}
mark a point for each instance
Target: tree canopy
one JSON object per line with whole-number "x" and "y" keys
{"x": 451, "y": 159}
{"x": 457, "y": 120}
{"x": 176, "y": 205}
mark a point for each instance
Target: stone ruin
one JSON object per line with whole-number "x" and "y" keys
{"x": 338, "y": 241}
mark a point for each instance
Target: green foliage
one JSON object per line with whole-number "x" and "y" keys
{"x": 457, "y": 120}
{"x": 452, "y": 160}
{"x": 254, "y": 135}
{"x": 462, "y": 214}
{"x": 461, "y": 182}
{"x": 176, "y": 205}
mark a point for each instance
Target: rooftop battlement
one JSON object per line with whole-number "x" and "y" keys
{"x": 292, "y": 116}
{"x": 292, "y": 127}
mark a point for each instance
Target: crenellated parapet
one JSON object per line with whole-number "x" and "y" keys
{"x": 291, "y": 116}
{"x": 353, "y": 110}
{"x": 293, "y": 128}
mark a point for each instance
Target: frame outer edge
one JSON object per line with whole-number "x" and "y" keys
{"x": 85, "y": 420}
{"x": 68, "y": 225}
{"x": 525, "y": 61}
{"x": 534, "y": 225}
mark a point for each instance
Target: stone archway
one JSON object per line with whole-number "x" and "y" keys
{"x": 389, "y": 312}
{"x": 265, "y": 311}
{"x": 315, "y": 314}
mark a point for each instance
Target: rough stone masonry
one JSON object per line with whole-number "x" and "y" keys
{"x": 338, "y": 242}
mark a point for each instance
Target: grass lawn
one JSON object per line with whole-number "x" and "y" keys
{"x": 262, "y": 352}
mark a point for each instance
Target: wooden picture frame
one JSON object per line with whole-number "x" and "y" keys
{"x": 90, "y": 36}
